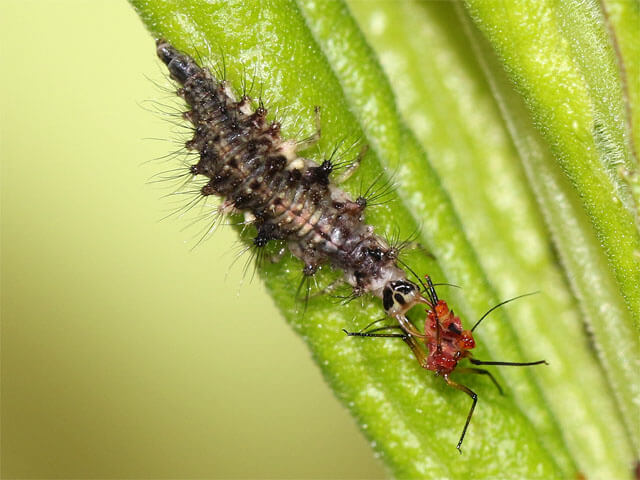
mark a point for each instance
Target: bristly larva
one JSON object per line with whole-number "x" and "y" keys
{"x": 287, "y": 197}
{"x": 293, "y": 199}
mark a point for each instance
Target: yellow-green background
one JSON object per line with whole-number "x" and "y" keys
{"x": 125, "y": 353}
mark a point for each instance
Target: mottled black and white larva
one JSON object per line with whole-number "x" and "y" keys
{"x": 287, "y": 197}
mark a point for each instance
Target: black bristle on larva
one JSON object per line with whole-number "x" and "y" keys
{"x": 285, "y": 196}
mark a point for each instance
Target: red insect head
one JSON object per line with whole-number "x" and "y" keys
{"x": 447, "y": 344}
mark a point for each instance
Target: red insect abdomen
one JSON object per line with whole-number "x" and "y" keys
{"x": 451, "y": 344}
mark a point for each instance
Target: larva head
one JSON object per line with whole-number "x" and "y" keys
{"x": 400, "y": 296}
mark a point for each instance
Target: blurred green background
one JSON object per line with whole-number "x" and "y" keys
{"x": 125, "y": 353}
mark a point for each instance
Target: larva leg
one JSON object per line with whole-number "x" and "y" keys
{"x": 333, "y": 286}
{"x": 313, "y": 139}
{"x": 276, "y": 257}
{"x": 351, "y": 169}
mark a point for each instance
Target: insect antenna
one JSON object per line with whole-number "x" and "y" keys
{"x": 498, "y": 363}
{"x": 500, "y": 305}
{"x": 508, "y": 364}
{"x": 446, "y": 284}
{"x": 433, "y": 297}
{"x": 433, "y": 301}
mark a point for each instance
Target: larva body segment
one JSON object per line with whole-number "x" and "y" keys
{"x": 291, "y": 198}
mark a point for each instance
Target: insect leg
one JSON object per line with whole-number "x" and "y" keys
{"x": 371, "y": 333}
{"x": 408, "y": 327}
{"x": 419, "y": 353}
{"x": 473, "y": 396}
{"x": 371, "y": 324}
{"x": 481, "y": 371}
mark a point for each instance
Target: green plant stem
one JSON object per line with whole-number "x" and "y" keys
{"x": 480, "y": 168}
{"x": 584, "y": 252}
{"x": 559, "y": 58}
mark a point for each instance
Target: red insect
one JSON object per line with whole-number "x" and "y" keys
{"x": 447, "y": 343}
